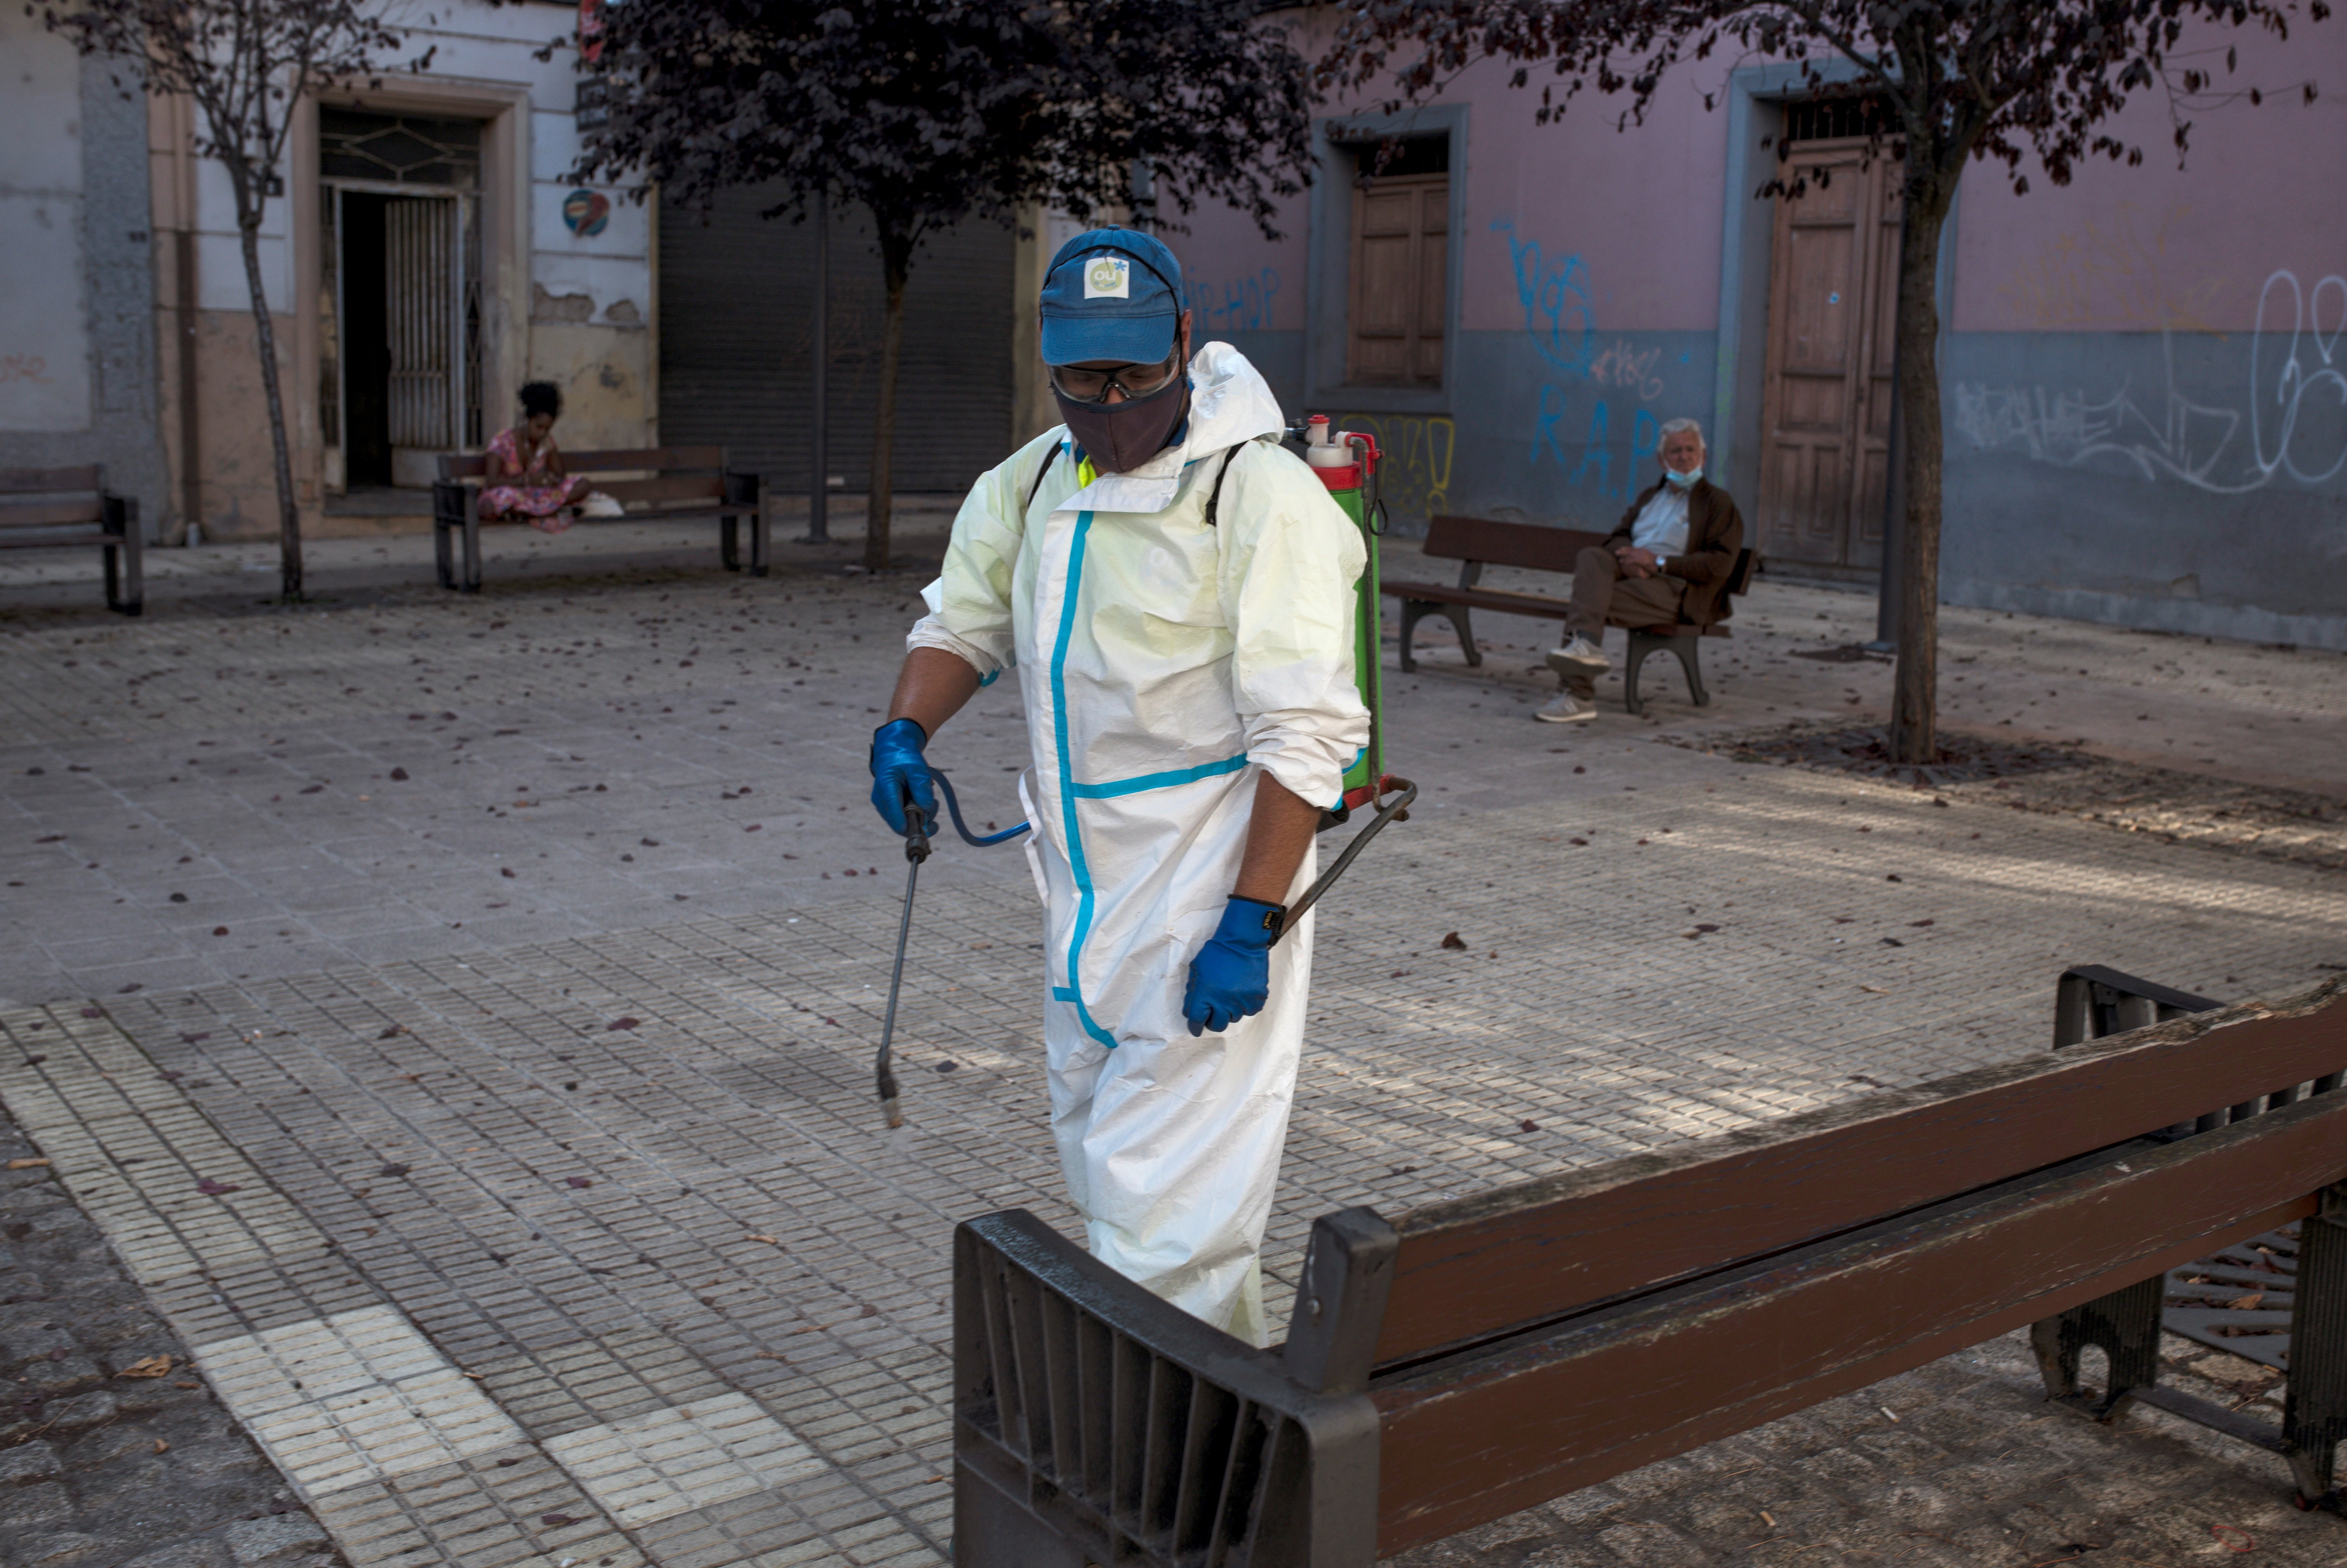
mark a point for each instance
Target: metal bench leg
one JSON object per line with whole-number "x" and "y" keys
{"x": 2126, "y": 1325}
{"x": 1687, "y": 649}
{"x": 113, "y": 580}
{"x": 443, "y": 554}
{"x": 473, "y": 550}
{"x": 1457, "y": 616}
{"x": 1413, "y": 610}
{"x": 2314, "y": 1411}
{"x": 758, "y": 540}
{"x": 134, "y": 570}
{"x": 729, "y": 542}
{"x": 1639, "y": 648}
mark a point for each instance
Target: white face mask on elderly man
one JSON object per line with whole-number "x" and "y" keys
{"x": 1683, "y": 481}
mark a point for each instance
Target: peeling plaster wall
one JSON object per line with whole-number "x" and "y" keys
{"x": 77, "y": 313}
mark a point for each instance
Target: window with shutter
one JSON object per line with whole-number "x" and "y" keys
{"x": 1401, "y": 243}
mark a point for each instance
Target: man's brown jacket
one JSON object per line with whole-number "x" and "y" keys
{"x": 1715, "y": 535}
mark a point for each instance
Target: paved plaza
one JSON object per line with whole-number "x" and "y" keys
{"x": 457, "y": 1014}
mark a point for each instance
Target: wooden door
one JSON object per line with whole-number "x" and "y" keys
{"x": 1832, "y": 297}
{"x": 1401, "y": 240}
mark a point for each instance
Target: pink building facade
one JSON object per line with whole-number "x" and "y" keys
{"x": 2144, "y": 373}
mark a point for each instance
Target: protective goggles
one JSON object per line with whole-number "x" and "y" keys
{"x": 1135, "y": 380}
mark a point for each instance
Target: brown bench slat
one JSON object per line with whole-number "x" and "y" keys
{"x": 709, "y": 488}
{"x": 1497, "y": 599}
{"x": 50, "y": 538}
{"x": 40, "y": 480}
{"x": 51, "y": 511}
{"x": 1503, "y": 1432}
{"x": 1507, "y": 544}
{"x": 600, "y": 460}
{"x": 1533, "y": 1252}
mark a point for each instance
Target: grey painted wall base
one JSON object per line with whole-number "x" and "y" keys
{"x": 2189, "y": 616}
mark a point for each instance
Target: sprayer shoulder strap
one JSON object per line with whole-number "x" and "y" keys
{"x": 1215, "y": 497}
{"x": 1036, "y": 488}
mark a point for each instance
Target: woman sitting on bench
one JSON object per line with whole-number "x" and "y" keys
{"x": 524, "y": 481}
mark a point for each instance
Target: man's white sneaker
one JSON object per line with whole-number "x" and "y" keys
{"x": 1564, "y": 709}
{"x": 1579, "y": 657}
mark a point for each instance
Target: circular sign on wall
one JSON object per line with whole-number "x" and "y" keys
{"x": 586, "y": 212}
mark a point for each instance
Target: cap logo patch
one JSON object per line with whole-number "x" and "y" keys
{"x": 1108, "y": 278}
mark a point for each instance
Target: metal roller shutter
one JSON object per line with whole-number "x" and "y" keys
{"x": 735, "y": 315}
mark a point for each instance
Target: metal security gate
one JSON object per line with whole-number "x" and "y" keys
{"x": 421, "y": 243}
{"x": 736, "y": 324}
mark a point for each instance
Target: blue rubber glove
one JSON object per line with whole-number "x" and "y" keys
{"x": 1231, "y": 976}
{"x": 898, "y": 768}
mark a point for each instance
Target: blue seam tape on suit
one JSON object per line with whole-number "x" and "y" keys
{"x": 1082, "y": 872}
{"x": 1161, "y": 781}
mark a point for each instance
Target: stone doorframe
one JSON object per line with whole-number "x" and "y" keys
{"x": 504, "y": 110}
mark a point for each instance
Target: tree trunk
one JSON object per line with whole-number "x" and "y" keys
{"x": 264, "y": 332}
{"x": 895, "y": 262}
{"x": 1914, "y": 702}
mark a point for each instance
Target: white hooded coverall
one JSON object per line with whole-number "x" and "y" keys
{"x": 1165, "y": 666}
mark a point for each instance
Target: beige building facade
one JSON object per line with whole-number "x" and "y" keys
{"x": 429, "y": 254}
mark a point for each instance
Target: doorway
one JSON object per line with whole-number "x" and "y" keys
{"x": 399, "y": 372}
{"x": 1825, "y": 409}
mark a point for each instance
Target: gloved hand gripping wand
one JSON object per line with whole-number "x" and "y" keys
{"x": 917, "y": 849}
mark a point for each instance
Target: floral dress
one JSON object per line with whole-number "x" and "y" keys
{"x": 527, "y": 486}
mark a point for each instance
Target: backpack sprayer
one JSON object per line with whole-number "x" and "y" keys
{"x": 1347, "y": 462}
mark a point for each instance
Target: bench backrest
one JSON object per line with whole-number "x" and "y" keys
{"x": 1553, "y": 1334}
{"x": 50, "y": 497}
{"x": 677, "y": 474}
{"x": 1496, "y": 543}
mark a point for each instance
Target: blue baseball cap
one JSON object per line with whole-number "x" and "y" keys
{"x": 1111, "y": 294}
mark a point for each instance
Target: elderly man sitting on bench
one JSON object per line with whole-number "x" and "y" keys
{"x": 1667, "y": 564}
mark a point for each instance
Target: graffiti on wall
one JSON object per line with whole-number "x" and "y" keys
{"x": 1555, "y": 297}
{"x": 1415, "y": 477}
{"x": 1562, "y": 326}
{"x": 2293, "y": 421}
{"x": 1237, "y": 304}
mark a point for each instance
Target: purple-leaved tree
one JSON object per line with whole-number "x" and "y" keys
{"x": 932, "y": 112}
{"x": 2017, "y": 81}
{"x": 242, "y": 64}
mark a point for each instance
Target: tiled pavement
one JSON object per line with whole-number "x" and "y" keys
{"x": 583, "y": 1239}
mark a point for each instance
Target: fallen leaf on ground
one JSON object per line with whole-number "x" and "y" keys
{"x": 1528, "y": 1125}
{"x": 399, "y": 774}
{"x": 393, "y": 1170}
{"x": 162, "y": 1446}
{"x": 1893, "y": 942}
{"x": 213, "y": 1189}
{"x": 505, "y": 871}
{"x": 185, "y": 1385}
{"x": 577, "y": 1181}
{"x": 1919, "y": 924}
{"x": 769, "y": 1240}
{"x": 101, "y": 1012}
{"x": 620, "y": 1023}
{"x": 394, "y": 1032}
{"x": 555, "y": 1519}
{"x": 152, "y": 1366}
{"x": 1453, "y": 943}
{"x": 26, "y": 1164}
{"x": 1894, "y": 877}
{"x": 2249, "y": 1303}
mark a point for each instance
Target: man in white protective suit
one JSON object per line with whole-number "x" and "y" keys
{"x": 1177, "y": 592}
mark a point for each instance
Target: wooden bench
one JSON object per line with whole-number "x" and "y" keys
{"x": 1479, "y": 542}
{"x": 42, "y": 508}
{"x": 679, "y": 481}
{"x": 1472, "y": 1358}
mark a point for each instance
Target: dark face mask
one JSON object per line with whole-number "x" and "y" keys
{"x": 1121, "y": 437}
